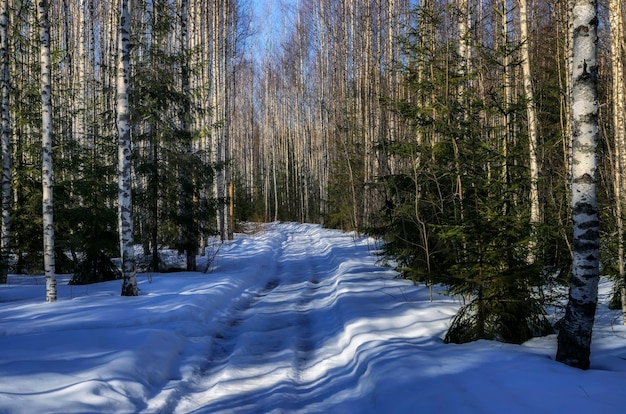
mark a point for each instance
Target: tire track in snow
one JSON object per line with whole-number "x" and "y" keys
{"x": 223, "y": 340}
{"x": 267, "y": 339}
{"x": 273, "y": 340}
{"x": 305, "y": 343}
{"x": 223, "y": 353}
{"x": 236, "y": 360}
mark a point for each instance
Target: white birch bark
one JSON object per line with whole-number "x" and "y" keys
{"x": 46, "y": 145}
{"x": 619, "y": 126}
{"x": 532, "y": 122}
{"x": 507, "y": 117}
{"x": 187, "y": 235}
{"x": 125, "y": 216}
{"x": 229, "y": 49}
{"x": 463, "y": 51}
{"x": 5, "y": 133}
{"x": 463, "y": 47}
{"x": 217, "y": 108}
{"x": 574, "y": 338}
{"x": 81, "y": 96}
{"x": 322, "y": 111}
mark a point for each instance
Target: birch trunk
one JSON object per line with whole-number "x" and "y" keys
{"x": 125, "y": 216}
{"x": 323, "y": 112}
{"x": 81, "y": 97}
{"x": 6, "y": 145}
{"x": 228, "y": 79}
{"x": 46, "y": 145}
{"x": 188, "y": 237}
{"x": 574, "y": 339}
{"x": 463, "y": 51}
{"x": 619, "y": 121}
{"x": 507, "y": 120}
{"x": 217, "y": 126}
{"x": 532, "y": 125}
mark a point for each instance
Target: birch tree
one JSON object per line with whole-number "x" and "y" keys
{"x": 80, "y": 99}
{"x": 125, "y": 216}
{"x": 532, "y": 123}
{"x": 6, "y": 148}
{"x": 619, "y": 127}
{"x": 46, "y": 145}
{"x": 574, "y": 338}
{"x": 188, "y": 239}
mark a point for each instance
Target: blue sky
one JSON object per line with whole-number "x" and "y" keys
{"x": 269, "y": 21}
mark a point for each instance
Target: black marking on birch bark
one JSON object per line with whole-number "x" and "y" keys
{"x": 584, "y": 179}
{"x": 589, "y": 224}
{"x": 584, "y": 208}
{"x": 585, "y": 307}
{"x": 583, "y": 246}
{"x": 581, "y": 29}
{"x": 590, "y": 235}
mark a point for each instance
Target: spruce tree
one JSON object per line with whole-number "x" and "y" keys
{"x": 458, "y": 213}
{"x": 169, "y": 168}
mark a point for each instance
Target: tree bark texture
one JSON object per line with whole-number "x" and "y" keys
{"x": 5, "y": 138}
{"x": 531, "y": 112}
{"x": 619, "y": 128}
{"x": 188, "y": 236}
{"x": 574, "y": 338}
{"x": 125, "y": 206}
{"x": 46, "y": 145}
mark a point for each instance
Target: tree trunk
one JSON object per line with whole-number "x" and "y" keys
{"x": 574, "y": 339}
{"x": 228, "y": 79}
{"x": 187, "y": 233}
{"x": 6, "y": 144}
{"x": 619, "y": 127}
{"x": 463, "y": 69}
{"x": 46, "y": 145}
{"x": 125, "y": 206}
{"x": 80, "y": 98}
{"x": 532, "y": 127}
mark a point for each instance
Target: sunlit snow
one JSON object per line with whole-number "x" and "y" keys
{"x": 295, "y": 318}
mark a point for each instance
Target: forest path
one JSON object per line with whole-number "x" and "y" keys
{"x": 265, "y": 338}
{"x": 317, "y": 324}
{"x": 262, "y": 353}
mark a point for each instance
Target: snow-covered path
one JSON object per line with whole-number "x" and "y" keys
{"x": 266, "y": 337}
{"x": 275, "y": 344}
{"x": 293, "y": 319}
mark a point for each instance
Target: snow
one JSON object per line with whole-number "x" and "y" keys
{"x": 296, "y": 318}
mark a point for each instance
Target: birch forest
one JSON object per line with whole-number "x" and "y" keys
{"x": 440, "y": 126}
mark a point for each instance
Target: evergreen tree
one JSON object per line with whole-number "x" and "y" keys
{"x": 458, "y": 212}
{"x": 167, "y": 165}
{"x": 86, "y": 218}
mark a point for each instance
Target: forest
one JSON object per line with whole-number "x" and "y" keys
{"x": 446, "y": 128}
